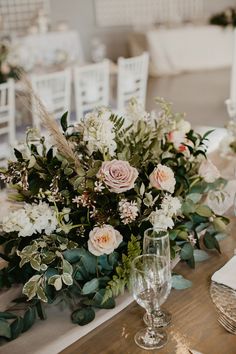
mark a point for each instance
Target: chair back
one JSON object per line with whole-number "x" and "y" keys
{"x": 54, "y": 90}
{"x": 7, "y": 118}
{"x": 132, "y": 80}
{"x": 91, "y": 87}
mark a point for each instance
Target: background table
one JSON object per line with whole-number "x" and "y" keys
{"x": 185, "y": 48}
{"x": 45, "y": 50}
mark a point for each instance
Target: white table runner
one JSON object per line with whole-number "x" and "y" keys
{"x": 58, "y": 332}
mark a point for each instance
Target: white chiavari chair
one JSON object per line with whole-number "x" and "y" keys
{"x": 54, "y": 90}
{"x": 132, "y": 80}
{"x": 7, "y": 120}
{"x": 91, "y": 87}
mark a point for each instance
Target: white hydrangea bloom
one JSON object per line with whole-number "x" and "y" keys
{"x": 128, "y": 211}
{"x": 160, "y": 220}
{"x": 31, "y": 219}
{"x": 99, "y": 132}
{"x": 170, "y": 205}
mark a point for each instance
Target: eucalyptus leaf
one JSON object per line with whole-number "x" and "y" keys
{"x": 200, "y": 255}
{"x": 7, "y": 315}
{"x": 5, "y": 330}
{"x": 186, "y": 252}
{"x": 220, "y": 236}
{"x": 204, "y": 210}
{"x": 194, "y": 197}
{"x": 16, "y": 327}
{"x": 90, "y": 287}
{"x": 83, "y": 316}
{"x": 98, "y": 300}
{"x": 180, "y": 283}
{"x": 29, "y": 319}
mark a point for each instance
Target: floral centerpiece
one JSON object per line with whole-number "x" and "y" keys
{"x": 224, "y": 18}
{"x": 8, "y": 66}
{"x": 89, "y": 198}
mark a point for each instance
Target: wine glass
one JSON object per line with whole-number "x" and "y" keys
{"x": 149, "y": 282}
{"x": 156, "y": 241}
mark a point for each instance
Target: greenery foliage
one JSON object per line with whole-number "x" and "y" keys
{"x": 54, "y": 264}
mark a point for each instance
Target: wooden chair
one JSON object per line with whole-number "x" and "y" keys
{"x": 7, "y": 120}
{"x": 91, "y": 87}
{"x": 54, "y": 90}
{"x": 132, "y": 80}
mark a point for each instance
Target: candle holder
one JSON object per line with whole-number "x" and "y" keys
{"x": 231, "y": 108}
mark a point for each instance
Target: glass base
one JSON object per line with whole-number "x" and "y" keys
{"x": 150, "y": 340}
{"x": 161, "y": 318}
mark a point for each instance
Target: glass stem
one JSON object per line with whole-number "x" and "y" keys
{"x": 150, "y": 327}
{"x": 158, "y": 312}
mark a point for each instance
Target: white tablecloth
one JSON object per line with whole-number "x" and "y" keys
{"x": 48, "y": 49}
{"x": 186, "y": 48}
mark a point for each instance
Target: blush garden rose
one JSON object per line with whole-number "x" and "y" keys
{"x": 162, "y": 177}
{"x": 103, "y": 240}
{"x": 118, "y": 175}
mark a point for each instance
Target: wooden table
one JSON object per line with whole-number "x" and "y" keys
{"x": 194, "y": 316}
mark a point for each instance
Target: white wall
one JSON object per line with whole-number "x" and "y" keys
{"x": 80, "y": 16}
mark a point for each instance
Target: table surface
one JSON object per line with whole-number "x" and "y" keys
{"x": 194, "y": 316}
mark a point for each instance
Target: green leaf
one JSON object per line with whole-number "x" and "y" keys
{"x": 211, "y": 242}
{"x": 67, "y": 267}
{"x": 188, "y": 207}
{"x": 220, "y": 236}
{"x": 18, "y": 154}
{"x": 16, "y": 327}
{"x": 29, "y": 319}
{"x": 41, "y": 294}
{"x": 204, "y": 210}
{"x": 200, "y": 255}
{"x": 7, "y": 315}
{"x": 90, "y": 287}
{"x": 68, "y": 171}
{"x": 194, "y": 197}
{"x": 67, "y": 279}
{"x": 84, "y": 257}
{"x": 34, "y": 264}
{"x": 56, "y": 281}
{"x": 83, "y": 316}
{"x": 180, "y": 283}
{"x": 186, "y": 251}
{"x": 219, "y": 224}
{"x": 5, "y": 329}
{"x": 64, "y": 124}
{"x": 98, "y": 300}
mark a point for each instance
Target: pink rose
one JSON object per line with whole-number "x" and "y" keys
{"x": 162, "y": 177}
{"x": 208, "y": 171}
{"x": 103, "y": 240}
{"x": 118, "y": 175}
{"x": 5, "y": 68}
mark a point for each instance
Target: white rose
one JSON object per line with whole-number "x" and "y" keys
{"x": 103, "y": 240}
{"x": 170, "y": 205}
{"x": 160, "y": 220}
{"x": 183, "y": 126}
{"x": 208, "y": 171}
{"x": 163, "y": 178}
{"x": 118, "y": 175}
